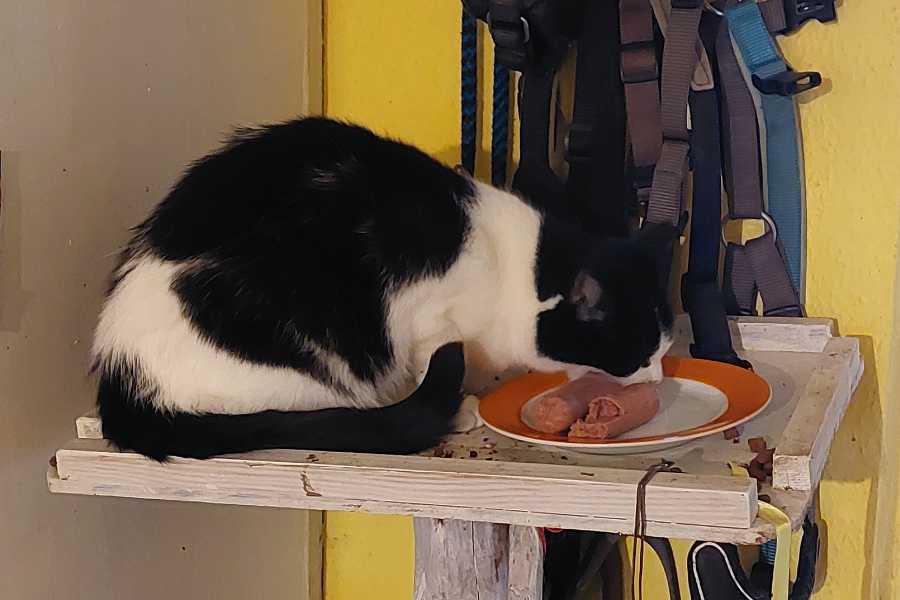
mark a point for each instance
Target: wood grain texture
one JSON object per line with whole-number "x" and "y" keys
{"x": 803, "y": 449}
{"x": 292, "y": 477}
{"x": 793, "y": 503}
{"x": 89, "y": 427}
{"x": 526, "y": 564}
{"x": 313, "y": 71}
{"x": 770, "y": 334}
{"x": 313, "y": 560}
{"x": 460, "y": 559}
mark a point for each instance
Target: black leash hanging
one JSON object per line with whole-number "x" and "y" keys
{"x": 468, "y": 90}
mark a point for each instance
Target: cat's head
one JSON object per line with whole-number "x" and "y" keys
{"x": 616, "y": 316}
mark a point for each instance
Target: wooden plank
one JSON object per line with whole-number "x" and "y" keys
{"x": 526, "y": 564}
{"x": 313, "y": 72}
{"x": 796, "y": 503}
{"x": 462, "y": 560}
{"x": 770, "y": 334}
{"x": 312, "y": 558}
{"x": 89, "y": 426}
{"x": 803, "y": 449}
{"x": 416, "y": 480}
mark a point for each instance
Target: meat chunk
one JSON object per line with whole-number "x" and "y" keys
{"x": 557, "y": 409}
{"x": 617, "y": 412}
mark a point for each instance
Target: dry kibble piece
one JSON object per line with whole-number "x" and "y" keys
{"x": 757, "y": 444}
{"x": 732, "y": 433}
{"x": 765, "y": 456}
{"x": 756, "y": 471}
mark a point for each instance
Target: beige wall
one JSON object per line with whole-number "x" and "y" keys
{"x": 101, "y": 105}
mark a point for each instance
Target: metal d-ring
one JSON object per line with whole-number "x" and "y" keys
{"x": 707, "y": 5}
{"x": 763, "y": 215}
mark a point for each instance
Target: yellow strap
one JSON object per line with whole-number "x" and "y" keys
{"x": 782, "y": 570}
{"x": 767, "y": 512}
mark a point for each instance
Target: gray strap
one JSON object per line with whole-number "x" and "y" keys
{"x": 773, "y": 14}
{"x": 760, "y": 265}
{"x": 779, "y": 297}
{"x": 740, "y": 136}
{"x": 679, "y": 61}
{"x": 739, "y": 282}
{"x": 703, "y": 75}
{"x": 641, "y": 82}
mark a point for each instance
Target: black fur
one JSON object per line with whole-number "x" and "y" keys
{"x": 294, "y": 235}
{"x": 622, "y": 329}
{"x": 294, "y": 229}
{"x": 416, "y": 423}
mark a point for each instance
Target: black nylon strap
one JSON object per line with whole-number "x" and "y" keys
{"x": 700, "y": 290}
{"x": 534, "y": 178}
{"x": 596, "y": 143}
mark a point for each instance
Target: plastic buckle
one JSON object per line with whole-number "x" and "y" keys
{"x": 637, "y": 63}
{"x": 797, "y": 12}
{"x": 788, "y": 83}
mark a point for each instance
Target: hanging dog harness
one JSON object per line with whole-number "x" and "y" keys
{"x": 718, "y": 100}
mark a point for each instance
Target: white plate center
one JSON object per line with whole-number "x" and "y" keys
{"x": 683, "y": 404}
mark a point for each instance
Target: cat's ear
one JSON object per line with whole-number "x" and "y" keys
{"x": 585, "y": 295}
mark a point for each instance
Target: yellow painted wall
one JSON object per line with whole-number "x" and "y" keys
{"x": 394, "y": 65}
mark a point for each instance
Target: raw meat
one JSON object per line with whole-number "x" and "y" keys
{"x": 618, "y": 412}
{"x": 556, "y": 410}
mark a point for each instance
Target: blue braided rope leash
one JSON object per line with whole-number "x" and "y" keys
{"x": 500, "y": 125}
{"x": 468, "y": 89}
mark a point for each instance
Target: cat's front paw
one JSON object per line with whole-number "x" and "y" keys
{"x": 467, "y": 418}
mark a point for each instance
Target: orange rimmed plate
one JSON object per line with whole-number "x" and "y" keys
{"x": 697, "y": 398}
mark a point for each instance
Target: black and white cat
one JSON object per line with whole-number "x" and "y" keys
{"x": 312, "y": 285}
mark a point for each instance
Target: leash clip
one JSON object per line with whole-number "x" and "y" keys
{"x": 788, "y": 83}
{"x": 798, "y": 12}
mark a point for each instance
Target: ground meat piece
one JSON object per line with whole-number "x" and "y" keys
{"x": 617, "y": 413}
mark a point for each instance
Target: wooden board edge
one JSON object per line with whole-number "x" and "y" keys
{"x": 89, "y": 427}
{"x": 313, "y": 76}
{"x": 314, "y": 561}
{"x": 757, "y": 533}
{"x": 803, "y": 448}
{"x": 770, "y": 334}
{"x": 720, "y": 501}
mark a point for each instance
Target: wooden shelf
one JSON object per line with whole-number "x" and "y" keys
{"x": 482, "y": 477}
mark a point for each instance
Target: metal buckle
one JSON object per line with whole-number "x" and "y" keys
{"x": 797, "y": 12}
{"x": 763, "y": 215}
{"x": 787, "y": 83}
{"x": 708, "y": 7}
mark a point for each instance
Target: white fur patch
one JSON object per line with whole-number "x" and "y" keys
{"x": 143, "y": 321}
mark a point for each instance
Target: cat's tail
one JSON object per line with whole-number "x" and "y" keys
{"x": 416, "y": 423}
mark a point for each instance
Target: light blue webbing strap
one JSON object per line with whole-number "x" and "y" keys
{"x": 784, "y": 174}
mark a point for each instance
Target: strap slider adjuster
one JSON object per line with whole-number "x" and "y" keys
{"x": 687, "y": 4}
{"x": 797, "y": 12}
{"x": 788, "y": 83}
